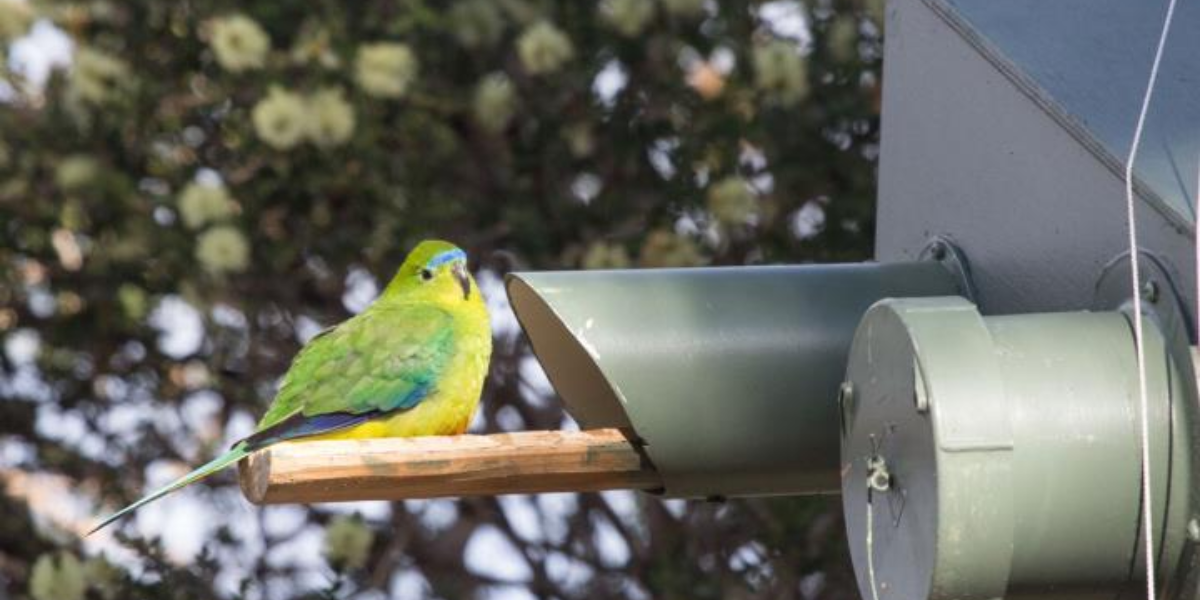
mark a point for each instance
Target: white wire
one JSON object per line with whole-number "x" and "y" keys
{"x": 1138, "y": 339}
{"x": 871, "y": 545}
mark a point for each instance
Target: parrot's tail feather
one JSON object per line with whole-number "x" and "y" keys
{"x": 234, "y": 454}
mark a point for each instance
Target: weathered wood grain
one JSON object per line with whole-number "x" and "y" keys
{"x": 433, "y": 467}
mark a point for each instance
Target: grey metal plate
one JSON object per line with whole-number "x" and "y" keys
{"x": 1090, "y": 59}
{"x": 969, "y": 153}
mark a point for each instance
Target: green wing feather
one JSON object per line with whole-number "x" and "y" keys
{"x": 385, "y": 359}
{"x": 378, "y": 361}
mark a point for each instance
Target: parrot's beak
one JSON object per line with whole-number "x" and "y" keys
{"x": 464, "y": 278}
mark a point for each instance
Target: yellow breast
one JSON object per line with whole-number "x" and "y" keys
{"x": 449, "y": 408}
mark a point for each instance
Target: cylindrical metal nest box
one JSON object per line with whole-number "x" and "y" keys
{"x": 727, "y": 378}
{"x": 988, "y": 457}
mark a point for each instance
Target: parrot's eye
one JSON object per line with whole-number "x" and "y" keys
{"x": 426, "y": 274}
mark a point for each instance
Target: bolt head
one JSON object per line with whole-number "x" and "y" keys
{"x": 880, "y": 481}
{"x": 938, "y": 250}
{"x": 1150, "y": 291}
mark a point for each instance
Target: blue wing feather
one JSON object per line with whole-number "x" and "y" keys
{"x": 300, "y": 425}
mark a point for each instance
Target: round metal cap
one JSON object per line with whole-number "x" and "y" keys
{"x": 926, "y": 485}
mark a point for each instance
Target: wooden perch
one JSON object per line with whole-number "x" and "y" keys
{"x": 432, "y": 467}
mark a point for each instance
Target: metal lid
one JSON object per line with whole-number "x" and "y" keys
{"x": 926, "y": 484}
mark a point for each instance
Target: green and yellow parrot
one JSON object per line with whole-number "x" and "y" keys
{"x": 411, "y": 364}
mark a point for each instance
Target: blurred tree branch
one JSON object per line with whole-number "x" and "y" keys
{"x": 132, "y": 324}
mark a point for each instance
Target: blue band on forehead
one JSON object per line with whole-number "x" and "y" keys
{"x": 445, "y": 257}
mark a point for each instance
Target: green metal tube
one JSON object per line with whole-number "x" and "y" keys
{"x": 728, "y": 376}
{"x": 1076, "y": 458}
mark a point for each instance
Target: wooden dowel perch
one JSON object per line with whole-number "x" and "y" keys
{"x": 432, "y": 467}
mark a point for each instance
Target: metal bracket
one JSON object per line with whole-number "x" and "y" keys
{"x": 1161, "y": 298}
{"x": 945, "y": 252}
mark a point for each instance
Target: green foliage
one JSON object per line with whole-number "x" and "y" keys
{"x": 348, "y": 542}
{"x": 251, "y": 160}
{"x": 57, "y": 577}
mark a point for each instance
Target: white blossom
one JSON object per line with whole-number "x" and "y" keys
{"x": 385, "y": 69}
{"x": 239, "y": 43}
{"x": 280, "y": 119}
{"x": 544, "y": 48}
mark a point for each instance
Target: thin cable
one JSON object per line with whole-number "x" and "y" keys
{"x": 1138, "y": 339}
{"x": 870, "y": 545}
